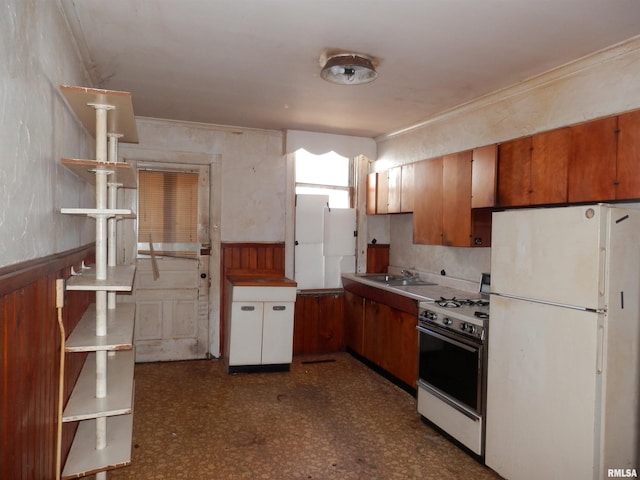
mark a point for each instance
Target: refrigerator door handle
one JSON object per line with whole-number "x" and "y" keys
{"x": 600, "y": 350}
{"x": 602, "y": 277}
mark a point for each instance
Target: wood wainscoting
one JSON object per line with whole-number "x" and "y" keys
{"x": 29, "y": 354}
{"x": 247, "y": 258}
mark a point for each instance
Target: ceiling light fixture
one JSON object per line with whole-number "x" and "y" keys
{"x": 349, "y": 69}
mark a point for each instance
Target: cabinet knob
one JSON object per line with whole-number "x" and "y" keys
{"x": 203, "y": 275}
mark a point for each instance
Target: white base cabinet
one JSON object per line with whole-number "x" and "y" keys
{"x": 259, "y": 330}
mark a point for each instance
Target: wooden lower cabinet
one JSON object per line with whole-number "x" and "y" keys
{"x": 318, "y": 323}
{"x": 405, "y": 353}
{"x": 354, "y": 322}
{"x": 384, "y": 335}
{"x": 376, "y": 332}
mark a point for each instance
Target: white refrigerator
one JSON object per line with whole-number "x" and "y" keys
{"x": 563, "y": 341}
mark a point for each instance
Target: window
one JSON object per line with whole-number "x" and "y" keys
{"x": 168, "y": 213}
{"x": 328, "y": 174}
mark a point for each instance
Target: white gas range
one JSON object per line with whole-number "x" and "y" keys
{"x": 452, "y": 363}
{"x": 467, "y": 316}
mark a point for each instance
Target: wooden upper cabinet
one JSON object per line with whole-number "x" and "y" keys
{"x": 592, "y": 164}
{"x": 483, "y": 176}
{"x": 514, "y": 172}
{"x": 391, "y": 191}
{"x": 382, "y": 195}
{"x": 628, "y": 164}
{"x": 550, "y": 166}
{"x": 533, "y": 170}
{"x": 456, "y": 202}
{"x": 394, "y": 189}
{"x": 407, "y": 189}
{"x": 372, "y": 193}
{"x": 427, "y": 211}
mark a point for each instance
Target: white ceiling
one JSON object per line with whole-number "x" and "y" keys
{"x": 255, "y": 63}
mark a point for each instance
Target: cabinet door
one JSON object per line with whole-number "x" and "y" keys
{"x": 377, "y": 257}
{"x": 403, "y": 347}
{"x": 481, "y": 227}
{"x": 354, "y": 321}
{"x": 592, "y": 166}
{"x": 372, "y": 193}
{"x": 550, "y": 166}
{"x": 456, "y": 202}
{"x": 277, "y": 332}
{"x": 394, "y": 193}
{"x": 318, "y": 324}
{"x": 375, "y": 332}
{"x": 245, "y": 335}
{"x": 628, "y": 176}
{"x": 382, "y": 195}
{"x": 427, "y": 215}
{"x": 514, "y": 172}
{"x": 484, "y": 176}
{"x": 407, "y": 190}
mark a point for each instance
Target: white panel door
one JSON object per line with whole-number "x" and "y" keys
{"x": 277, "y": 333}
{"x": 169, "y": 325}
{"x": 172, "y": 310}
{"x": 543, "y": 391}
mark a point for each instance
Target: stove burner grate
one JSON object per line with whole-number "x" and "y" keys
{"x": 455, "y": 303}
{"x": 449, "y": 302}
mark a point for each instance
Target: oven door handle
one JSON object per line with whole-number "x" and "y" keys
{"x": 447, "y": 339}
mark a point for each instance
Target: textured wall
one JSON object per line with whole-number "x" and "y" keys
{"x": 36, "y": 130}
{"x": 603, "y": 84}
{"x": 252, "y": 172}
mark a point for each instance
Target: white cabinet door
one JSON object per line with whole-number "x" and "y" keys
{"x": 277, "y": 333}
{"x": 245, "y": 343}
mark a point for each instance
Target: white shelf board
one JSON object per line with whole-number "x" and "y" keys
{"x": 121, "y": 120}
{"x": 120, "y": 322}
{"x": 83, "y": 457}
{"x": 119, "y": 279}
{"x": 106, "y": 212}
{"x": 83, "y": 404}
{"x": 121, "y": 172}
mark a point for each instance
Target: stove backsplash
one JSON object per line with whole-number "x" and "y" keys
{"x": 460, "y": 263}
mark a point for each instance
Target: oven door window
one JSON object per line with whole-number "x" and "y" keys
{"x": 452, "y": 366}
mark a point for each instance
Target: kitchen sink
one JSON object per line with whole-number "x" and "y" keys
{"x": 408, "y": 282}
{"x": 397, "y": 280}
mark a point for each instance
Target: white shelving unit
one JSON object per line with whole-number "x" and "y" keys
{"x": 102, "y": 398}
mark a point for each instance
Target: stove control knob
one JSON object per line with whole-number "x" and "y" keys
{"x": 471, "y": 329}
{"x": 447, "y": 321}
{"x": 431, "y": 315}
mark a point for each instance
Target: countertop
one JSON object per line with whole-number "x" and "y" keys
{"x": 422, "y": 293}
{"x": 260, "y": 281}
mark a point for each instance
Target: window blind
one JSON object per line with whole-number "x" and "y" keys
{"x": 168, "y": 212}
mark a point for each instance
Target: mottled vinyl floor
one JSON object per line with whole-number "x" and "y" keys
{"x": 329, "y": 420}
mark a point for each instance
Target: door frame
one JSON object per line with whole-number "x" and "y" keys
{"x": 155, "y": 159}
